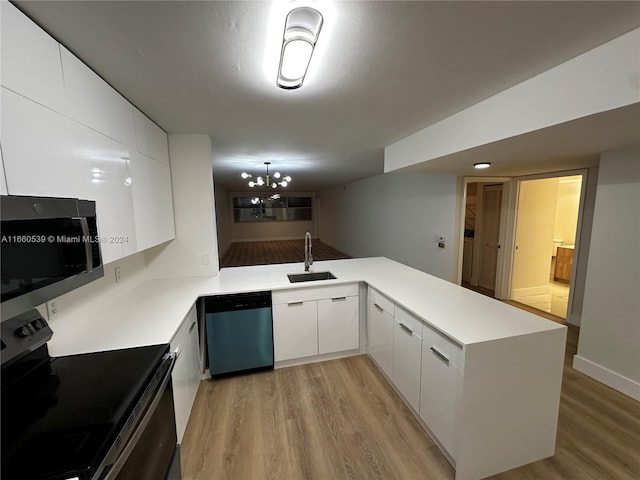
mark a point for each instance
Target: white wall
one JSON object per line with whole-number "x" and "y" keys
{"x": 609, "y": 344}
{"x": 194, "y": 252}
{"x": 599, "y": 80}
{"x": 397, "y": 216}
{"x": 567, "y": 207}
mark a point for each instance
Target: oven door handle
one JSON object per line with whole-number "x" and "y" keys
{"x": 116, "y": 466}
{"x": 86, "y": 239}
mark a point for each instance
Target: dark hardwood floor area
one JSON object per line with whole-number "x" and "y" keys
{"x": 241, "y": 254}
{"x": 341, "y": 420}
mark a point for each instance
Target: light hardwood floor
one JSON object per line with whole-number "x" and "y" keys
{"x": 277, "y": 251}
{"x": 341, "y": 420}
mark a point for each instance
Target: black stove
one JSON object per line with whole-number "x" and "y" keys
{"x": 62, "y": 416}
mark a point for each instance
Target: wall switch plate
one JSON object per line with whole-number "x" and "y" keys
{"x": 118, "y": 274}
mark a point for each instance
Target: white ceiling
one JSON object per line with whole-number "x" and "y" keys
{"x": 382, "y": 71}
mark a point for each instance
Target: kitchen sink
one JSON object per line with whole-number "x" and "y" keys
{"x": 310, "y": 277}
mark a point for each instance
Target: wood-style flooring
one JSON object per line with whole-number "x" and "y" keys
{"x": 240, "y": 254}
{"x": 341, "y": 420}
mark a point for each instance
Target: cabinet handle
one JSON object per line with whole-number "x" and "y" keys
{"x": 440, "y": 355}
{"x": 335, "y": 299}
{"x": 193, "y": 325}
{"x": 406, "y": 329}
{"x": 378, "y": 307}
{"x": 294, "y": 303}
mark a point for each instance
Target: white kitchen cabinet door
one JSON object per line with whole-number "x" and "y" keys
{"x": 86, "y": 94}
{"x": 150, "y": 138}
{"x": 338, "y": 324}
{"x": 123, "y": 199}
{"x": 30, "y": 59}
{"x": 380, "y": 336}
{"x": 120, "y": 115}
{"x": 152, "y": 200}
{"x": 407, "y": 350}
{"x": 295, "y": 330}
{"x": 186, "y": 371}
{"x": 439, "y": 396}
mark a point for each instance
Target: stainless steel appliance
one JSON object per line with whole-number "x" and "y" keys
{"x": 96, "y": 416}
{"x": 239, "y": 333}
{"x": 49, "y": 247}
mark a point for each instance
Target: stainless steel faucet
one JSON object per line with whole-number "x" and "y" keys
{"x": 308, "y": 257}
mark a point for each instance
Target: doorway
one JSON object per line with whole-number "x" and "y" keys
{"x": 545, "y": 237}
{"x": 481, "y": 236}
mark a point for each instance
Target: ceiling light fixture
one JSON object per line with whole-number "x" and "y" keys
{"x": 266, "y": 181}
{"x": 481, "y": 165}
{"x": 301, "y": 31}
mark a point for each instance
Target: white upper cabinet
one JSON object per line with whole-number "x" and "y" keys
{"x": 123, "y": 199}
{"x": 120, "y": 117}
{"x": 152, "y": 200}
{"x": 151, "y": 139}
{"x": 30, "y": 59}
{"x": 86, "y": 94}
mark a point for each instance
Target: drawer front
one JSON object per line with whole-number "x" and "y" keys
{"x": 279, "y": 297}
{"x": 442, "y": 346}
{"x": 409, "y": 321}
{"x": 378, "y": 299}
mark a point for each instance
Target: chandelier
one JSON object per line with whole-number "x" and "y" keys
{"x": 267, "y": 181}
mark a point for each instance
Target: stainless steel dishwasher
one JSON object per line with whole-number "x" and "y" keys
{"x": 239, "y": 333}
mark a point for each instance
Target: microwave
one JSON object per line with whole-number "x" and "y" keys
{"x": 50, "y": 246}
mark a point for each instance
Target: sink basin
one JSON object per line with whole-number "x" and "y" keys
{"x": 310, "y": 277}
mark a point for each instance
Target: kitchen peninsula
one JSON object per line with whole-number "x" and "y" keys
{"x": 502, "y": 400}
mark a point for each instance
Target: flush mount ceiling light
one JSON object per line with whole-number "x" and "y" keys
{"x": 301, "y": 31}
{"x": 267, "y": 181}
{"x": 481, "y": 165}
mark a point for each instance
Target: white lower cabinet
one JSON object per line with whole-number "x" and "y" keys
{"x": 338, "y": 324}
{"x": 439, "y": 395}
{"x": 407, "y": 350}
{"x": 380, "y": 331}
{"x": 186, "y": 371}
{"x": 317, "y": 320}
{"x": 295, "y": 330}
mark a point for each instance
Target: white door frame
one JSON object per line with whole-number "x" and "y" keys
{"x": 463, "y": 207}
{"x": 510, "y": 209}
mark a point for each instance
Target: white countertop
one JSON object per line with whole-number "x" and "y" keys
{"x": 152, "y": 312}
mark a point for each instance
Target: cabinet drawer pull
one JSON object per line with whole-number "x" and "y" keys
{"x": 336, "y": 299}
{"x": 440, "y": 355}
{"x": 406, "y": 329}
{"x": 291, "y": 304}
{"x": 193, "y": 325}
{"x": 378, "y": 307}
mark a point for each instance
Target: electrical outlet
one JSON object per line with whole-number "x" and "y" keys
{"x": 118, "y": 274}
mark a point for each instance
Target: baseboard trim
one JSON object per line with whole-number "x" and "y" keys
{"x": 610, "y": 378}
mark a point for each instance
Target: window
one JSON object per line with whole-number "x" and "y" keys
{"x": 283, "y": 209}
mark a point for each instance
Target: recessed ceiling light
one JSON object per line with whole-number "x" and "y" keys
{"x": 481, "y": 165}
